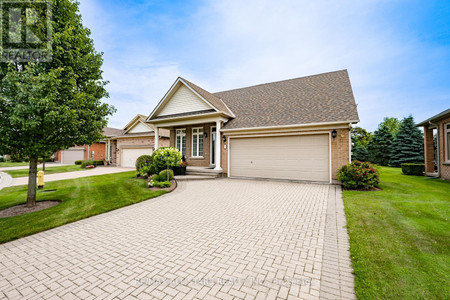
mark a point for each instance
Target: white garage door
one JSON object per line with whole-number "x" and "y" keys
{"x": 129, "y": 156}
{"x": 299, "y": 157}
{"x": 69, "y": 156}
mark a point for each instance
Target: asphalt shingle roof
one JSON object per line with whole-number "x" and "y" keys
{"x": 318, "y": 98}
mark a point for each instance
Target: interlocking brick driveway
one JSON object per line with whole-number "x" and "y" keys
{"x": 267, "y": 239}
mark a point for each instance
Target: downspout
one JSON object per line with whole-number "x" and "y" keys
{"x": 438, "y": 160}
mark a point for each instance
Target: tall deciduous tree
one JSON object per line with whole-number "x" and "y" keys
{"x": 380, "y": 147}
{"x": 393, "y": 124}
{"x": 49, "y": 106}
{"x": 408, "y": 144}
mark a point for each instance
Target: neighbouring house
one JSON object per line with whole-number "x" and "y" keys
{"x": 437, "y": 145}
{"x": 137, "y": 138}
{"x": 120, "y": 147}
{"x": 297, "y": 129}
{"x": 96, "y": 151}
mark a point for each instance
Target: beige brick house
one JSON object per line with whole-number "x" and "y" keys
{"x": 437, "y": 159}
{"x": 296, "y": 129}
{"x": 137, "y": 138}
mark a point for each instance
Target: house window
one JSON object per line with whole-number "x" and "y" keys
{"x": 181, "y": 141}
{"x": 447, "y": 141}
{"x": 197, "y": 142}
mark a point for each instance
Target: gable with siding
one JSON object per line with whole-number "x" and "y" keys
{"x": 183, "y": 101}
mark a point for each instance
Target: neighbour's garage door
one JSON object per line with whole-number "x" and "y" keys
{"x": 129, "y": 156}
{"x": 69, "y": 156}
{"x": 299, "y": 157}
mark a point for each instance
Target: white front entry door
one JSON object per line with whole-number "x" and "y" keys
{"x": 130, "y": 155}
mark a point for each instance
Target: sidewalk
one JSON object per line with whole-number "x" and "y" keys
{"x": 69, "y": 175}
{"x": 47, "y": 165}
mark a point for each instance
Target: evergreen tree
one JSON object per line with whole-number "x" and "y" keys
{"x": 408, "y": 144}
{"x": 360, "y": 141}
{"x": 49, "y": 106}
{"x": 380, "y": 147}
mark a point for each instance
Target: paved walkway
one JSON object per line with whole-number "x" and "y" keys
{"x": 209, "y": 239}
{"x": 71, "y": 175}
{"x": 47, "y": 165}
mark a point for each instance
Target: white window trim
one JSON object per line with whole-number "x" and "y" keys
{"x": 181, "y": 140}
{"x": 446, "y": 150}
{"x": 192, "y": 142}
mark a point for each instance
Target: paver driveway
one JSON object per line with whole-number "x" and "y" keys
{"x": 208, "y": 239}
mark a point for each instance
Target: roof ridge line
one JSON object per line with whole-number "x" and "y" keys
{"x": 278, "y": 81}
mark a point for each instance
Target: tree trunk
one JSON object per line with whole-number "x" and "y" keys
{"x": 31, "y": 197}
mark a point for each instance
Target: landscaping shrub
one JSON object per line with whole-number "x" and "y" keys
{"x": 99, "y": 162}
{"x": 47, "y": 159}
{"x": 86, "y": 163}
{"x": 166, "y": 157}
{"x": 78, "y": 162}
{"x": 143, "y": 160}
{"x": 16, "y": 158}
{"x": 162, "y": 184}
{"x": 359, "y": 175}
{"x": 163, "y": 175}
{"x": 413, "y": 169}
{"x": 2, "y": 159}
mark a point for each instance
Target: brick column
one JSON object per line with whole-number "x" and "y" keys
{"x": 429, "y": 150}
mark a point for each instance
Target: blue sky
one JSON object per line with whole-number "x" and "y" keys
{"x": 397, "y": 52}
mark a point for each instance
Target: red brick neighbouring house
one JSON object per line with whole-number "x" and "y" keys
{"x": 437, "y": 152}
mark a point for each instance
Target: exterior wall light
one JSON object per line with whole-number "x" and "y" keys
{"x": 224, "y": 138}
{"x": 334, "y": 134}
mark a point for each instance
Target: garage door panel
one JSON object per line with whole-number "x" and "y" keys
{"x": 130, "y": 155}
{"x": 71, "y": 155}
{"x": 302, "y": 157}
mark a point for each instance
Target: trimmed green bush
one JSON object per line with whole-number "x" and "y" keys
{"x": 359, "y": 176}
{"x": 99, "y": 162}
{"x": 163, "y": 184}
{"x": 143, "y": 160}
{"x": 86, "y": 163}
{"x": 166, "y": 157}
{"x": 47, "y": 159}
{"x": 413, "y": 169}
{"x": 78, "y": 162}
{"x": 163, "y": 175}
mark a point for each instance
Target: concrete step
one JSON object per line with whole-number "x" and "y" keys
{"x": 200, "y": 173}
{"x": 193, "y": 177}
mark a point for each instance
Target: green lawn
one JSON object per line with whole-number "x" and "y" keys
{"x": 400, "y": 238}
{"x": 48, "y": 170}
{"x": 13, "y": 164}
{"x": 81, "y": 198}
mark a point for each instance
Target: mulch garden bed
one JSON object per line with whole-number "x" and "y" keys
{"x": 22, "y": 209}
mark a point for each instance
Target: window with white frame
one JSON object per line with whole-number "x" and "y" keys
{"x": 197, "y": 142}
{"x": 181, "y": 141}
{"x": 447, "y": 141}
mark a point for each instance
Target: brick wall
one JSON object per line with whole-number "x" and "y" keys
{"x": 98, "y": 148}
{"x": 340, "y": 151}
{"x": 443, "y": 163}
{"x": 429, "y": 150}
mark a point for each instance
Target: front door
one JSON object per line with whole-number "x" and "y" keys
{"x": 213, "y": 145}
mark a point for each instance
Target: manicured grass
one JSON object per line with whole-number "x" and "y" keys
{"x": 400, "y": 237}
{"x": 13, "y": 164}
{"x": 81, "y": 198}
{"x": 48, "y": 170}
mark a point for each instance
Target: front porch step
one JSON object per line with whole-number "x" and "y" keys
{"x": 193, "y": 177}
{"x": 204, "y": 174}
